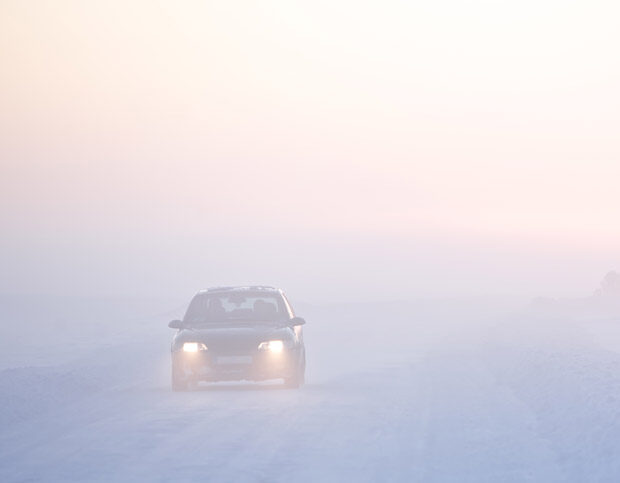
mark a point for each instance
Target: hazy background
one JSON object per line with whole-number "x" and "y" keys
{"x": 435, "y": 185}
{"x": 354, "y": 150}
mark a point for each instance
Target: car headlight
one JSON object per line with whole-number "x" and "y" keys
{"x": 271, "y": 346}
{"x": 194, "y": 347}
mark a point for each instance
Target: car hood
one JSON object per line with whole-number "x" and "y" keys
{"x": 233, "y": 339}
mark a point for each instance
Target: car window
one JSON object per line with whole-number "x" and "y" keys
{"x": 235, "y": 306}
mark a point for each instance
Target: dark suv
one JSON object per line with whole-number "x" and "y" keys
{"x": 237, "y": 333}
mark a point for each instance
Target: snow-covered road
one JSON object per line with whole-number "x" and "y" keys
{"x": 394, "y": 393}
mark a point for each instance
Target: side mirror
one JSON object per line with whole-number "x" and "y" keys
{"x": 176, "y": 324}
{"x": 297, "y": 321}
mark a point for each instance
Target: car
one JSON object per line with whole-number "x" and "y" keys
{"x": 238, "y": 333}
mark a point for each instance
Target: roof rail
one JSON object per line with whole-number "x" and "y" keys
{"x": 240, "y": 288}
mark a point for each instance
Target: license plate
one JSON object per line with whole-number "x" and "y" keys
{"x": 234, "y": 360}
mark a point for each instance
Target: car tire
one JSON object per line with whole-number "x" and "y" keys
{"x": 179, "y": 383}
{"x": 299, "y": 378}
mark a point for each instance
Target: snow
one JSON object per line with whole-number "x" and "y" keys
{"x": 421, "y": 391}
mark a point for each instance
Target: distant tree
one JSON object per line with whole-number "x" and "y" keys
{"x": 610, "y": 286}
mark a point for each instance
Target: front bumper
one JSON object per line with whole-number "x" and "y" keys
{"x": 255, "y": 366}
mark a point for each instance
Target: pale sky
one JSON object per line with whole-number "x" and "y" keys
{"x": 369, "y": 149}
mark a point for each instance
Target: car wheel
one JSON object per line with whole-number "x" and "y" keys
{"x": 179, "y": 383}
{"x": 300, "y": 376}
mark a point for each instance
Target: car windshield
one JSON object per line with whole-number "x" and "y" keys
{"x": 231, "y": 307}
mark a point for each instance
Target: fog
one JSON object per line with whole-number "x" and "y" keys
{"x": 433, "y": 184}
{"x": 387, "y": 150}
